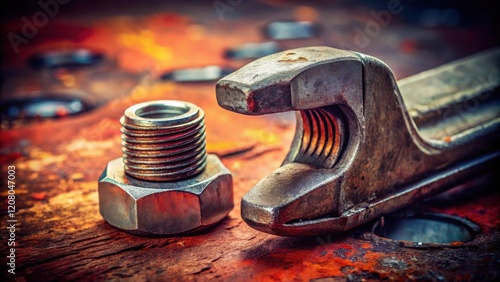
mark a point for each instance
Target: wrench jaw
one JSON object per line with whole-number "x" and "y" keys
{"x": 286, "y": 196}
{"x": 272, "y": 84}
{"x": 247, "y": 100}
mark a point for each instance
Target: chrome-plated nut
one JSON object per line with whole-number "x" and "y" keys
{"x": 165, "y": 183}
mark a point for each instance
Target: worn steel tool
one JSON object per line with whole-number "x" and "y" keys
{"x": 365, "y": 145}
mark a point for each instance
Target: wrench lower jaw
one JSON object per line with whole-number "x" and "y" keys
{"x": 260, "y": 226}
{"x": 264, "y": 219}
{"x": 292, "y": 193}
{"x": 304, "y": 228}
{"x": 364, "y": 212}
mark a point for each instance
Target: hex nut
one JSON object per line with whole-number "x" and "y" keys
{"x": 165, "y": 208}
{"x": 165, "y": 183}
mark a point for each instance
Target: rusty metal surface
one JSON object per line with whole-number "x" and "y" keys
{"x": 62, "y": 236}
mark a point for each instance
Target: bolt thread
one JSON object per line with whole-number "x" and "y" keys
{"x": 163, "y": 141}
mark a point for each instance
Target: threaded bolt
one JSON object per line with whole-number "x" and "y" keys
{"x": 163, "y": 140}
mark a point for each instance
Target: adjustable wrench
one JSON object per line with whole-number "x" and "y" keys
{"x": 365, "y": 145}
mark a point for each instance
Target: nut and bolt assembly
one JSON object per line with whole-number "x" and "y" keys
{"x": 165, "y": 183}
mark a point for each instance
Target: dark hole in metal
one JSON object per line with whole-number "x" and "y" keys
{"x": 427, "y": 228}
{"x": 65, "y": 59}
{"x": 201, "y": 74}
{"x": 252, "y": 50}
{"x": 46, "y": 106}
{"x": 280, "y": 30}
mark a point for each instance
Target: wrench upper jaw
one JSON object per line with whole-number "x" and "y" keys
{"x": 246, "y": 100}
{"x": 287, "y": 195}
{"x": 277, "y": 82}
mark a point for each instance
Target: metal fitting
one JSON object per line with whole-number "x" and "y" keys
{"x": 165, "y": 183}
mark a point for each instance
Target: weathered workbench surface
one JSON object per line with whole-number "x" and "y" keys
{"x": 60, "y": 234}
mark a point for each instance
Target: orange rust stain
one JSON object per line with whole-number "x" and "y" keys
{"x": 61, "y": 111}
{"x": 345, "y": 246}
{"x": 484, "y": 210}
{"x": 366, "y": 245}
{"x": 282, "y": 265}
{"x": 39, "y": 196}
{"x": 456, "y": 244}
